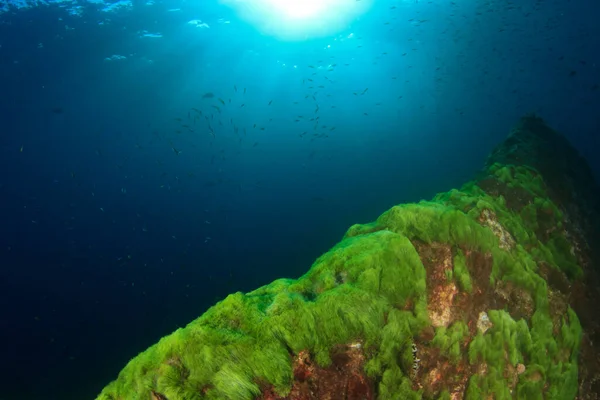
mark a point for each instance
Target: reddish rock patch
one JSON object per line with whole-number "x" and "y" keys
{"x": 437, "y": 373}
{"x": 437, "y": 259}
{"x": 556, "y": 279}
{"x": 343, "y": 379}
{"x": 518, "y": 301}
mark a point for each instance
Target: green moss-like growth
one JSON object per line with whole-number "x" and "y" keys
{"x": 550, "y": 361}
{"x": 395, "y": 385}
{"x": 247, "y": 339}
{"x": 521, "y": 176}
{"x": 371, "y": 287}
{"x": 432, "y": 222}
{"x": 461, "y": 273}
{"x": 564, "y": 258}
{"x": 450, "y": 340}
{"x": 445, "y": 395}
{"x": 504, "y": 343}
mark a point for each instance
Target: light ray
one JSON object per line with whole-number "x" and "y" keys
{"x": 299, "y": 19}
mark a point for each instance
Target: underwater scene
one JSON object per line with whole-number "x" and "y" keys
{"x": 299, "y": 199}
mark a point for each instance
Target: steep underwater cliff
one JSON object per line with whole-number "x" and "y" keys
{"x": 487, "y": 291}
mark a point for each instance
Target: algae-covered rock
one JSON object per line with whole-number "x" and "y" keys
{"x": 396, "y": 309}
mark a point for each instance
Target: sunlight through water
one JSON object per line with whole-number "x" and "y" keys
{"x": 299, "y": 19}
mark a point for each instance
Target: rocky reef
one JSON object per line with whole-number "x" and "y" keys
{"x": 485, "y": 292}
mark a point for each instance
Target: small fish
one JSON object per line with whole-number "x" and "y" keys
{"x": 101, "y": 209}
{"x": 222, "y": 101}
{"x": 270, "y": 102}
{"x": 178, "y": 152}
{"x": 208, "y": 95}
{"x": 21, "y": 149}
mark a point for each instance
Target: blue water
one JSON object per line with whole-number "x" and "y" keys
{"x": 118, "y": 224}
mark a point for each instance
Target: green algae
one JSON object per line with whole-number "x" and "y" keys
{"x": 371, "y": 288}
{"x": 449, "y": 340}
{"x": 549, "y": 361}
{"x": 461, "y": 273}
{"x": 247, "y": 339}
{"x": 431, "y": 222}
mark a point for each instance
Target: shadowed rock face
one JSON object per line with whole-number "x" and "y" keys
{"x": 571, "y": 186}
{"x": 486, "y": 292}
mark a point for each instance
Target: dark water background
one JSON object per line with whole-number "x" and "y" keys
{"x": 104, "y": 227}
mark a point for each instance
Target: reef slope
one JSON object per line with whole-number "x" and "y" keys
{"x": 485, "y": 292}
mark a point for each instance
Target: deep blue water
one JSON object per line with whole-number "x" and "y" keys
{"x": 118, "y": 224}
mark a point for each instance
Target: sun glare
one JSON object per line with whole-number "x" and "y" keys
{"x": 298, "y": 8}
{"x": 299, "y": 19}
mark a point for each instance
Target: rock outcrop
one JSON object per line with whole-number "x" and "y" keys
{"x": 485, "y": 292}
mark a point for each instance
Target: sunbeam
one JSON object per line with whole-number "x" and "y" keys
{"x": 299, "y": 19}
